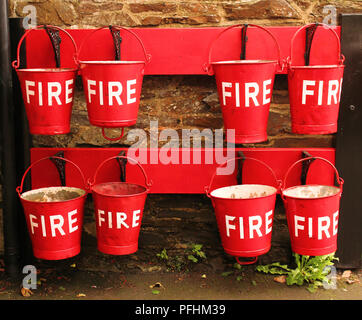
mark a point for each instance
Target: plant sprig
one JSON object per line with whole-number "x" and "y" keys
{"x": 310, "y": 270}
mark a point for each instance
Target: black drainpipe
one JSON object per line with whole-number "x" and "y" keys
{"x": 11, "y": 129}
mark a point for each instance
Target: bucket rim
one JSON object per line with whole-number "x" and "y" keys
{"x": 110, "y": 62}
{"x": 48, "y": 70}
{"x": 50, "y": 202}
{"x": 246, "y": 184}
{"x": 311, "y": 185}
{"x": 259, "y": 61}
{"x": 119, "y": 195}
{"x": 327, "y": 66}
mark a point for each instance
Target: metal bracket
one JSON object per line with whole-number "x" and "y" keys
{"x": 60, "y": 164}
{"x": 117, "y": 40}
{"x": 305, "y": 167}
{"x": 309, "y": 34}
{"x": 122, "y": 165}
{"x": 55, "y": 40}
{"x": 244, "y": 40}
{"x": 239, "y": 174}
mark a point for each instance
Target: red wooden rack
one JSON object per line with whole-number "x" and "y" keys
{"x": 181, "y": 51}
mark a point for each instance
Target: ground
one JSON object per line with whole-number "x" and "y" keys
{"x": 70, "y": 280}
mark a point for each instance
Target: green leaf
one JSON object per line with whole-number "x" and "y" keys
{"x": 237, "y": 266}
{"x": 192, "y": 258}
{"x": 226, "y": 273}
{"x": 238, "y": 278}
{"x": 197, "y": 247}
{"x": 155, "y": 292}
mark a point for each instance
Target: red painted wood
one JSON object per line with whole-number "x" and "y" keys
{"x": 181, "y": 177}
{"x": 181, "y": 50}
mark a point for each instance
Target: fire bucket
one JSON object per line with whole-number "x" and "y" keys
{"x": 118, "y": 208}
{"x": 47, "y": 93}
{"x": 54, "y": 216}
{"x": 245, "y": 89}
{"x": 312, "y": 214}
{"x": 113, "y": 89}
{"x": 315, "y": 92}
{"x": 244, "y": 214}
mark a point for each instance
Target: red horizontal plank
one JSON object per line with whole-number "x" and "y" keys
{"x": 182, "y": 50}
{"x": 179, "y": 176}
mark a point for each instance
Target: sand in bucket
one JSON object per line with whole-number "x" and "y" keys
{"x": 246, "y": 191}
{"x": 53, "y": 194}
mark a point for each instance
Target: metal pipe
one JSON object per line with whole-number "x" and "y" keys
{"x": 8, "y": 152}
{"x": 23, "y": 140}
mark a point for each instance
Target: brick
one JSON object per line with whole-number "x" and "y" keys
{"x": 255, "y": 10}
{"x": 151, "y": 21}
{"x": 137, "y": 7}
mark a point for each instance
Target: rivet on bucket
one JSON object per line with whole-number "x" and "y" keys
{"x": 312, "y": 214}
{"x": 118, "y": 209}
{"x": 54, "y": 216}
{"x": 47, "y": 93}
{"x": 244, "y": 214}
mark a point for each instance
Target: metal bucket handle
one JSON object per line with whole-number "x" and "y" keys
{"x": 20, "y": 188}
{"x": 208, "y": 68}
{"x": 278, "y": 182}
{"x": 16, "y": 63}
{"x": 112, "y": 139}
{"x": 339, "y": 179}
{"x": 147, "y": 55}
{"x": 340, "y": 56}
{"x": 147, "y": 182}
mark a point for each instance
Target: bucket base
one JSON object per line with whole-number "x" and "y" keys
{"x": 118, "y": 250}
{"x": 49, "y": 130}
{"x": 247, "y": 254}
{"x": 113, "y": 124}
{"x": 56, "y": 255}
{"x": 314, "y": 129}
{"x": 248, "y": 138}
{"x": 314, "y": 252}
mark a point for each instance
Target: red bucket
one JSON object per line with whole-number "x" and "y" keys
{"x": 118, "y": 208}
{"x": 244, "y": 214}
{"x": 314, "y": 93}
{"x": 312, "y": 214}
{"x": 113, "y": 89}
{"x": 54, "y": 216}
{"x": 245, "y": 90}
{"x": 47, "y": 94}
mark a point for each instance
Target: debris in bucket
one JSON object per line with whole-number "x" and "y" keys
{"x": 52, "y": 196}
{"x": 251, "y": 195}
{"x": 312, "y": 191}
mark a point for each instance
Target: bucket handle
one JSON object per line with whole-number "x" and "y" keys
{"x": 112, "y": 139}
{"x": 147, "y": 182}
{"x": 278, "y": 182}
{"x": 20, "y": 188}
{"x": 243, "y": 263}
{"x": 341, "y": 57}
{"x": 16, "y": 63}
{"x": 147, "y": 55}
{"x": 207, "y": 66}
{"x": 339, "y": 179}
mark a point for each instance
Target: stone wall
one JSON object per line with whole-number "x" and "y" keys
{"x": 179, "y": 102}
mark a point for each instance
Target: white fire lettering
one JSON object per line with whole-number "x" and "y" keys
{"x": 56, "y": 223}
{"x": 246, "y": 94}
{"x": 257, "y": 225}
{"x": 119, "y": 220}
{"x": 112, "y": 91}
{"x": 323, "y": 229}
{"x": 333, "y": 93}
